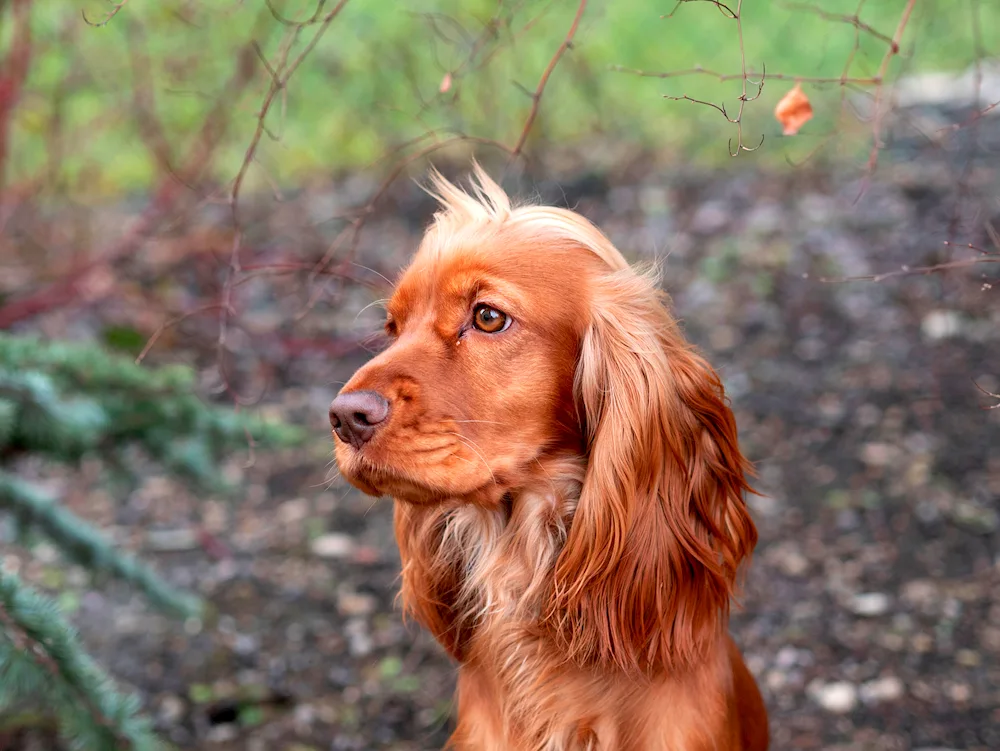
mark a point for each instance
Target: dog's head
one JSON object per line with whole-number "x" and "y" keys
{"x": 477, "y": 384}
{"x": 521, "y": 336}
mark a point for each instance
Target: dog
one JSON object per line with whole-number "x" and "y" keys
{"x": 569, "y": 493}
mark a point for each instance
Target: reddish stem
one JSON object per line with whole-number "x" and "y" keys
{"x": 536, "y": 98}
{"x": 13, "y": 72}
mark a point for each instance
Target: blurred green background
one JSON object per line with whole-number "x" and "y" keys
{"x": 373, "y": 82}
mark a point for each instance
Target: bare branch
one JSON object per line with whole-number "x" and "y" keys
{"x": 13, "y": 72}
{"x": 107, "y": 16}
{"x": 280, "y": 75}
{"x": 162, "y": 328}
{"x": 919, "y": 270}
{"x": 150, "y": 129}
{"x": 972, "y": 119}
{"x": 698, "y": 70}
{"x": 166, "y": 196}
{"x": 685, "y": 98}
{"x": 970, "y": 246}
{"x": 852, "y": 20}
{"x": 744, "y": 97}
{"x": 353, "y": 229}
{"x": 289, "y": 22}
{"x": 540, "y": 89}
{"x": 890, "y": 53}
{"x": 989, "y": 394}
{"x": 724, "y": 9}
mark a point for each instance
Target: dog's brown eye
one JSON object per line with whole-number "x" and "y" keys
{"x": 490, "y": 320}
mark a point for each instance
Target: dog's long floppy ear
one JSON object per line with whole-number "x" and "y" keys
{"x": 653, "y": 552}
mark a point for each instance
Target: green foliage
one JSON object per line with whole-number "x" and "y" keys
{"x": 124, "y": 338}
{"x": 41, "y": 657}
{"x": 83, "y": 544}
{"x": 373, "y": 81}
{"x": 63, "y": 402}
{"x": 66, "y": 400}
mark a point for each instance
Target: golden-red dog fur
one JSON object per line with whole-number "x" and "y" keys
{"x": 568, "y": 491}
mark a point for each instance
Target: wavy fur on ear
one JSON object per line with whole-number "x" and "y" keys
{"x": 651, "y": 561}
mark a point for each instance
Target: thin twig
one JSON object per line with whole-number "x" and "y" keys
{"x": 536, "y": 98}
{"x": 353, "y": 229}
{"x": 107, "y": 16}
{"x": 279, "y": 78}
{"x": 962, "y": 188}
{"x": 907, "y": 271}
{"x": 883, "y": 68}
{"x": 289, "y": 22}
{"x": 165, "y": 199}
{"x": 990, "y": 394}
{"x": 698, "y": 70}
{"x": 745, "y": 96}
{"x": 168, "y": 324}
{"x": 722, "y": 7}
{"x": 13, "y": 72}
{"x": 972, "y": 119}
{"x": 970, "y": 246}
{"x": 853, "y": 20}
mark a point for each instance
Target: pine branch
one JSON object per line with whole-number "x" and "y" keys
{"x": 41, "y": 655}
{"x": 85, "y": 545}
{"x": 34, "y": 416}
{"x": 64, "y": 400}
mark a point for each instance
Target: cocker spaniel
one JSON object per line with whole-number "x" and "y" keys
{"x": 569, "y": 490}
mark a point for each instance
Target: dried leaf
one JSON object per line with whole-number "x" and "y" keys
{"x": 794, "y": 110}
{"x": 445, "y": 83}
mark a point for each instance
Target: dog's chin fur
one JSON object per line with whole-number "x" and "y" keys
{"x": 380, "y": 481}
{"x": 569, "y": 490}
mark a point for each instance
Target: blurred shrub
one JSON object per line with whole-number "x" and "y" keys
{"x": 103, "y": 106}
{"x": 65, "y": 402}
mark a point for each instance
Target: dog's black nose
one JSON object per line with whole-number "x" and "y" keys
{"x": 356, "y": 415}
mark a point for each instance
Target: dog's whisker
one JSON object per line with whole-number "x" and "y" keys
{"x": 478, "y": 451}
{"x": 454, "y": 455}
{"x": 373, "y": 271}
{"x": 326, "y": 484}
{"x": 372, "y": 304}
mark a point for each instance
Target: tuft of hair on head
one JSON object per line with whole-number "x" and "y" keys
{"x": 485, "y": 202}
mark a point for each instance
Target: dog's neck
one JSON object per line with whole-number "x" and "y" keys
{"x": 507, "y": 555}
{"x": 509, "y": 551}
{"x": 481, "y": 578}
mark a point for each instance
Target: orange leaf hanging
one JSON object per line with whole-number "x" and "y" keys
{"x": 794, "y": 110}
